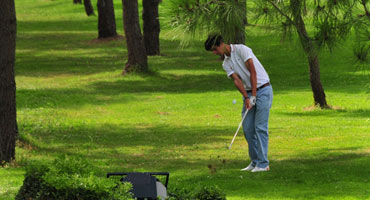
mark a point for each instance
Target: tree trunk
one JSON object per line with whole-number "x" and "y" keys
{"x": 88, "y": 8}
{"x": 313, "y": 61}
{"x": 137, "y": 58}
{"x": 316, "y": 86}
{"x": 240, "y": 30}
{"x": 77, "y": 1}
{"x": 151, "y": 26}
{"x": 8, "y": 123}
{"x": 107, "y": 21}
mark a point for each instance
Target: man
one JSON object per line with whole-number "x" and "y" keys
{"x": 253, "y": 82}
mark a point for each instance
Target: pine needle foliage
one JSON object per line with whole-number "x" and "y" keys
{"x": 331, "y": 19}
{"x": 318, "y": 24}
{"x": 362, "y": 32}
{"x": 190, "y": 19}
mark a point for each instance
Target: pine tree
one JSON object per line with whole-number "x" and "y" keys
{"x": 137, "y": 58}
{"x": 331, "y": 20}
{"x": 8, "y": 122}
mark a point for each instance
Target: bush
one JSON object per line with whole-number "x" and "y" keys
{"x": 202, "y": 193}
{"x": 210, "y": 193}
{"x": 180, "y": 194}
{"x": 69, "y": 179}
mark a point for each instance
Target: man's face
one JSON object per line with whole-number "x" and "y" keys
{"x": 218, "y": 50}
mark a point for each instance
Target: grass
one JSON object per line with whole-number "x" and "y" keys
{"x": 71, "y": 99}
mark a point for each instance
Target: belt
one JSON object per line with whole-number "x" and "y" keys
{"x": 262, "y": 86}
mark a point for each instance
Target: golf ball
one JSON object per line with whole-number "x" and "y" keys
{"x": 234, "y": 101}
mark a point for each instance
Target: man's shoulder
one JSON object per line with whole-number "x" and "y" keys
{"x": 239, "y": 48}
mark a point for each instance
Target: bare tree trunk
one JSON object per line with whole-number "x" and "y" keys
{"x": 240, "y": 30}
{"x": 107, "y": 21}
{"x": 151, "y": 26}
{"x": 88, "y": 8}
{"x": 316, "y": 86}
{"x": 77, "y": 1}
{"x": 8, "y": 123}
{"x": 313, "y": 61}
{"x": 137, "y": 58}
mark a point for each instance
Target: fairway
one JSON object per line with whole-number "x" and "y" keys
{"x": 73, "y": 100}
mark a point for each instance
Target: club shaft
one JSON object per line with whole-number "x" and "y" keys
{"x": 236, "y": 133}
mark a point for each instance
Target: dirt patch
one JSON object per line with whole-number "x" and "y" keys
{"x": 24, "y": 145}
{"x": 313, "y": 107}
{"x": 163, "y": 113}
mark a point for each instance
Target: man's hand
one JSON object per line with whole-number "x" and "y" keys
{"x": 247, "y": 103}
{"x": 250, "y": 102}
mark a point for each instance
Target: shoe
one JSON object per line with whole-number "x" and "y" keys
{"x": 250, "y": 167}
{"x": 259, "y": 169}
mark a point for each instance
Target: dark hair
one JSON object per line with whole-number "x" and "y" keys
{"x": 212, "y": 40}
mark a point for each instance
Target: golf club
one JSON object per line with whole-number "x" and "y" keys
{"x": 232, "y": 141}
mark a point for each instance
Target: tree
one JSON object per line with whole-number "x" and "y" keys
{"x": 199, "y": 17}
{"x": 137, "y": 58}
{"x": 331, "y": 20}
{"x": 89, "y": 8}
{"x": 8, "y": 123}
{"x": 106, "y": 21}
{"x": 151, "y": 26}
{"x": 77, "y": 1}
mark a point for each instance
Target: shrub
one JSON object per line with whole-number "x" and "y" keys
{"x": 180, "y": 194}
{"x": 210, "y": 193}
{"x": 202, "y": 193}
{"x": 69, "y": 179}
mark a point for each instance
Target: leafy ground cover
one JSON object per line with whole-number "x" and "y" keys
{"x": 72, "y": 99}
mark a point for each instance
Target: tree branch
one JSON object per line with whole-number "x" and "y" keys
{"x": 280, "y": 11}
{"x": 367, "y": 13}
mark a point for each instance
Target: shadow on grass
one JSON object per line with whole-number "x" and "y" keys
{"x": 113, "y": 136}
{"x": 356, "y": 113}
{"x": 89, "y": 24}
{"x": 121, "y": 91}
{"x": 64, "y": 98}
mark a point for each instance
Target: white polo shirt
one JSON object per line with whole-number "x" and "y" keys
{"x": 236, "y": 64}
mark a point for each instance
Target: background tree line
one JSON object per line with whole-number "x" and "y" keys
{"x": 138, "y": 45}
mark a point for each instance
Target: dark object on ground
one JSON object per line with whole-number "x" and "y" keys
{"x": 145, "y": 185}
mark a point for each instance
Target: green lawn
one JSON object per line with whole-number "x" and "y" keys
{"x": 72, "y": 99}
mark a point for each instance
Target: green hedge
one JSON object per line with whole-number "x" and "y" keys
{"x": 69, "y": 179}
{"x": 200, "y": 193}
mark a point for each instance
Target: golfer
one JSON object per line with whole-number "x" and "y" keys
{"x": 253, "y": 82}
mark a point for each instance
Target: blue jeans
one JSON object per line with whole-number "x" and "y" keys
{"x": 255, "y": 126}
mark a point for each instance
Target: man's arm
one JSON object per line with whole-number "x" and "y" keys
{"x": 240, "y": 86}
{"x": 250, "y": 66}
